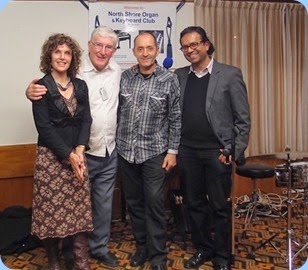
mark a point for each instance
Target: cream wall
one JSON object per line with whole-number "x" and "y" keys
{"x": 24, "y": 26}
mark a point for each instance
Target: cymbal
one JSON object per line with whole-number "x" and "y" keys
{"x": 282, "y": 155}
{"x": 293, "y": 155}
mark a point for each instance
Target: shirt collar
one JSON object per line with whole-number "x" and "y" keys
{"x": 88, "y": 66}
{"x": 135, "y": 70}
{"x": 207, "y": 70}
{"x": 160, "y": 73}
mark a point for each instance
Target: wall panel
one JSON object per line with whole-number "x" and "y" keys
{"x": 16, "y": 178}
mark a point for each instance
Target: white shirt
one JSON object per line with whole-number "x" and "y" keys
{"x": 207, "y": 70}
{"x": 104, "y": 98}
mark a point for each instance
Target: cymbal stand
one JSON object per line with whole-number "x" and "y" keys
{"x": 232, "y": 259}
{"x": 304, "y": 221}
{"x": 289, "y": 202}
{"x": 288, "y": 255}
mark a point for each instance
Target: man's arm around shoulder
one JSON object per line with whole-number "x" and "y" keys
{"x": 35, "y": 91}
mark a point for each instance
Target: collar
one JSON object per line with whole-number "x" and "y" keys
{"x": 136, "y": 71}
{"x": 207, "y": 70}
{"x": 159, "y": 72}
{"x": 88, "y": 66}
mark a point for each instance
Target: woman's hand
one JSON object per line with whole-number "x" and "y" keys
{"x": 79, "y": 150}
{"x": 77, "y": 165}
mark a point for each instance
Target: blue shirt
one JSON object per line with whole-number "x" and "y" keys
{"x": 149, "y": 120}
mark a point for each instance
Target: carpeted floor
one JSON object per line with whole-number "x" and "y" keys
{"x": 272, "y": 256}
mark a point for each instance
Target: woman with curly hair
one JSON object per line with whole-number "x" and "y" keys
{"x": 61, "y": 191}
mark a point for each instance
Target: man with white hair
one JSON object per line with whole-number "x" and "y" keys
{"x": 102, "y": 75}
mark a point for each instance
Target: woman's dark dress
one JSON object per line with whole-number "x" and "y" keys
{"x": 61, "y": 204}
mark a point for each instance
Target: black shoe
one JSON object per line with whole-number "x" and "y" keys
{"x": 138, "y": 258}
{"x": 108, "y": 259}
{"x": 159, "y": 267}
{"x": 197, "y": 259}
{"x": 221, "y": 263}
{"x": 69, "y": 263}
{"x": 222, "y": 267}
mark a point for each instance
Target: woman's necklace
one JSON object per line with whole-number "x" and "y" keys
{"x": 64, "y": 88}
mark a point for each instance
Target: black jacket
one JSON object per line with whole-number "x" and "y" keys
{"x": 58, "y": 129}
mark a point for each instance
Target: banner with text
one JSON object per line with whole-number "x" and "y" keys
{"x": 130, "y": 19}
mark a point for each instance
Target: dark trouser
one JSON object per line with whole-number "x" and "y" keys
{"x": 207, "y": 185}
{"x": 143, "y": 189}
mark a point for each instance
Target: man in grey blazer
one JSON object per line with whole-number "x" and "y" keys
{"x": 215, "y": 130}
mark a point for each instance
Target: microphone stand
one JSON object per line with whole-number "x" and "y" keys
{"x": 168, "y": 62}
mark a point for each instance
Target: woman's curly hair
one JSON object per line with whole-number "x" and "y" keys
{"x": 51, "y": 44}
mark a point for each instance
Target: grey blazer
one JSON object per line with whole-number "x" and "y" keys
{"x": 226, "y": 107}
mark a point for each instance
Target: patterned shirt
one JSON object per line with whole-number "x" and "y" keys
{"x": 149, "y": 120}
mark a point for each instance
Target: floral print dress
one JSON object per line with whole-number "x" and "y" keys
{"x": 61, "y": 204}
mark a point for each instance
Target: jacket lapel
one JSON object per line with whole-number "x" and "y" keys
{"x": 183, "y": 80}
{"x": 212, "y": 85}
{"x": 79, "y": 95}
{"x": 54, "y": 93}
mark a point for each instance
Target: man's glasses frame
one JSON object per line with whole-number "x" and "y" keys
{"x": 193, "y": 46}
{"x": 100, "y": 46}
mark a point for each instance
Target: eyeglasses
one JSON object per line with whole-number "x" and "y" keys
{"x": 100, "y": 46}
{"x": 193, "y": 46}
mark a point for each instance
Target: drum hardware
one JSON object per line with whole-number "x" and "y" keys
{"x": 254, "y": 204}
{"x": 270, "y": 240}
{"x": 299, "y": 175}
{"x": 304, "y": 224}
{"x": 293, "y": 175}
{"x": 233, "y": 206}
{"x": 289, "y": 202}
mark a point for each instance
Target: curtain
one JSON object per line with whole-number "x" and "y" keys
{"x": 268, "y": 41}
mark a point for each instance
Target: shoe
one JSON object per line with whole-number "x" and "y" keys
{"x": 197, "y": 259}
{"x": 222, "y": 267}
{"x": 138, "y": 258}
{"x": 221, "y": 263}
{"x": 108, "y": 259}
{"x": 159, "y": 267}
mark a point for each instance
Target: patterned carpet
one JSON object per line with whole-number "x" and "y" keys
{"x": 272, "y": 256}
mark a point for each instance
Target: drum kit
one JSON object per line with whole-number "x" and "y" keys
{"x": 294, "y": 176}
